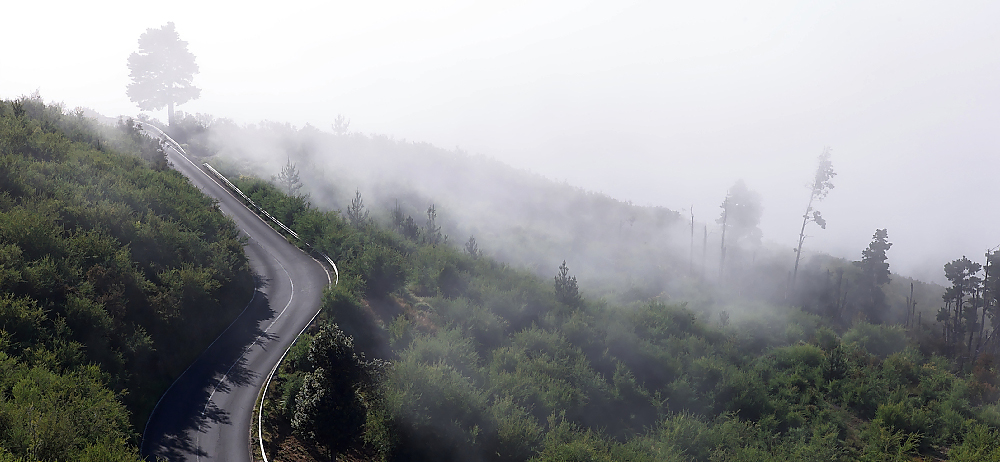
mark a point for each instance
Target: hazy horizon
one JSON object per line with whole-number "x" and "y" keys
{"x": 650, "y": 103}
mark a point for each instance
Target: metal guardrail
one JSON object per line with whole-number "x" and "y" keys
{"x": 275, "y": 220}
{"x": 177, "y": 146}
{"x": 250, "y": 201}
{"x": 270, "y": 375}
{"x": 260, "y": 414}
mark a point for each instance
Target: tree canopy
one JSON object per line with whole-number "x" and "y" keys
{"x": 740, "y": 217}
{"x": 161, "y": 71}
{"x": 741, "y": 211}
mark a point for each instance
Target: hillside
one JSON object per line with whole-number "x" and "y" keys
{"x": 619, "y": 251}
{"x": 443, "y": 353}
{"x": 515, "y": 216}
{"x": 115, "y": 273}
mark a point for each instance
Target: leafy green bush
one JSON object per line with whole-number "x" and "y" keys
{"x": 980, "y": 443}
{"x": 330, "y": 406}
{"x": 879, "y": 340}
{"x": 382, "y": 268}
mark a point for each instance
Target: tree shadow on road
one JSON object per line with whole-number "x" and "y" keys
{"x": 188, "y": 409}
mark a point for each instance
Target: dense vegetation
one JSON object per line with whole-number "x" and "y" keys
{"x": 115, "y": 273}
{"x": 516, "y": 217}
{"x": 487, "y": 362}
{"x": 431, "y": 350}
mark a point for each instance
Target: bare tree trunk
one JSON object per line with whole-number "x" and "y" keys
{"x": 972, "y": 332}
{"x": 722, "y": 246}
{"x": 802, "y": 238}
{"x": 691, "y": 256}
{"x": 944, "y": 330}
{"x": 838, "y": 307}
{"x": 847, "y": 287}
{"x": 704, "y": 253}
{"x": 982, "y": 325}
{"x": 959, "y": 314}
{"x": 909, "y": 311}
{"x": 986, "y": 300}
{"x": 947, "y": 323}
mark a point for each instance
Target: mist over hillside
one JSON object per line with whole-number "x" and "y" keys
{"x": 618, "y": 250}
{"x": 659, "y": 336}
{"x": 612, "y": 263}
{"x": 480, "y": 360}
{"x": 659, "y": 103}
{"x": 515, "y": 216}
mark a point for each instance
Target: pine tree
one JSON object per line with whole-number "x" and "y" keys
{"x": 356, "y": 213}
{"x": 340, "y": 125}
{"x": 472, "y": 248}
{"x": 288, "y": 179}
{"x": 874, "y": 275}
{"x": 740, "y": 220}
{"x": 161, "y": 71}
{"x": 432, "y": 231}
{"x": 961, "y": 299}
{"x": 567, "y": 291}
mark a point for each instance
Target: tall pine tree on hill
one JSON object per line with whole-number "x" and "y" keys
{"x": 161, "y": 71}
{"x": 874, "y": 275}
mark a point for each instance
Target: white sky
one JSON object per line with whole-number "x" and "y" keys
{"x": 660, "y": 103}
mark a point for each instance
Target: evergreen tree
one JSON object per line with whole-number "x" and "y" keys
{"x": 741, "y": 211}
{"x": 288, "y": 179}
{"x": 959, "y": 314}
{"x": 988, "y": 298}
{"x": 356, "y": 213}
{"x": 567, "y": 291}
{"x": 433, "y": 232}
{"x": 161, "y": 71}
{"x": 740, "y": 219}
{"x": 874, "y": 275}
{"x": 472, "y": 248}
{"x": 409, "y": 228}
{"x": 340, "y": 125}
{"x": 397, "y": 217}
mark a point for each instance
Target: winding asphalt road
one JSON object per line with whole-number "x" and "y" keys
{"x": 206, "y": 413}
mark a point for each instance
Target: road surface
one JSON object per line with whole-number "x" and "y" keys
{"x": 206, "y": 413}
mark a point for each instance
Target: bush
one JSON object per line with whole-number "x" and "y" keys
{"x": 981, "y": 443}
{"x": 879, "y": 340}
{"x": 329, "y": 408}
{"x": 382, "y": 268}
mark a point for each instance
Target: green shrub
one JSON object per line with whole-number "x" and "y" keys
{"x": 980, "y": 443}
{"x": 382, "y": 268}
{"x": 330, "y": 407}
{"x": 879, "y": 340}
{"x": 518, "y": 433}
{"x": 906, "y": 417}
{"x": 884, "y": 444}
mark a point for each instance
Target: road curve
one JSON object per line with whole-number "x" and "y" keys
{"x": 206, "y": 413}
